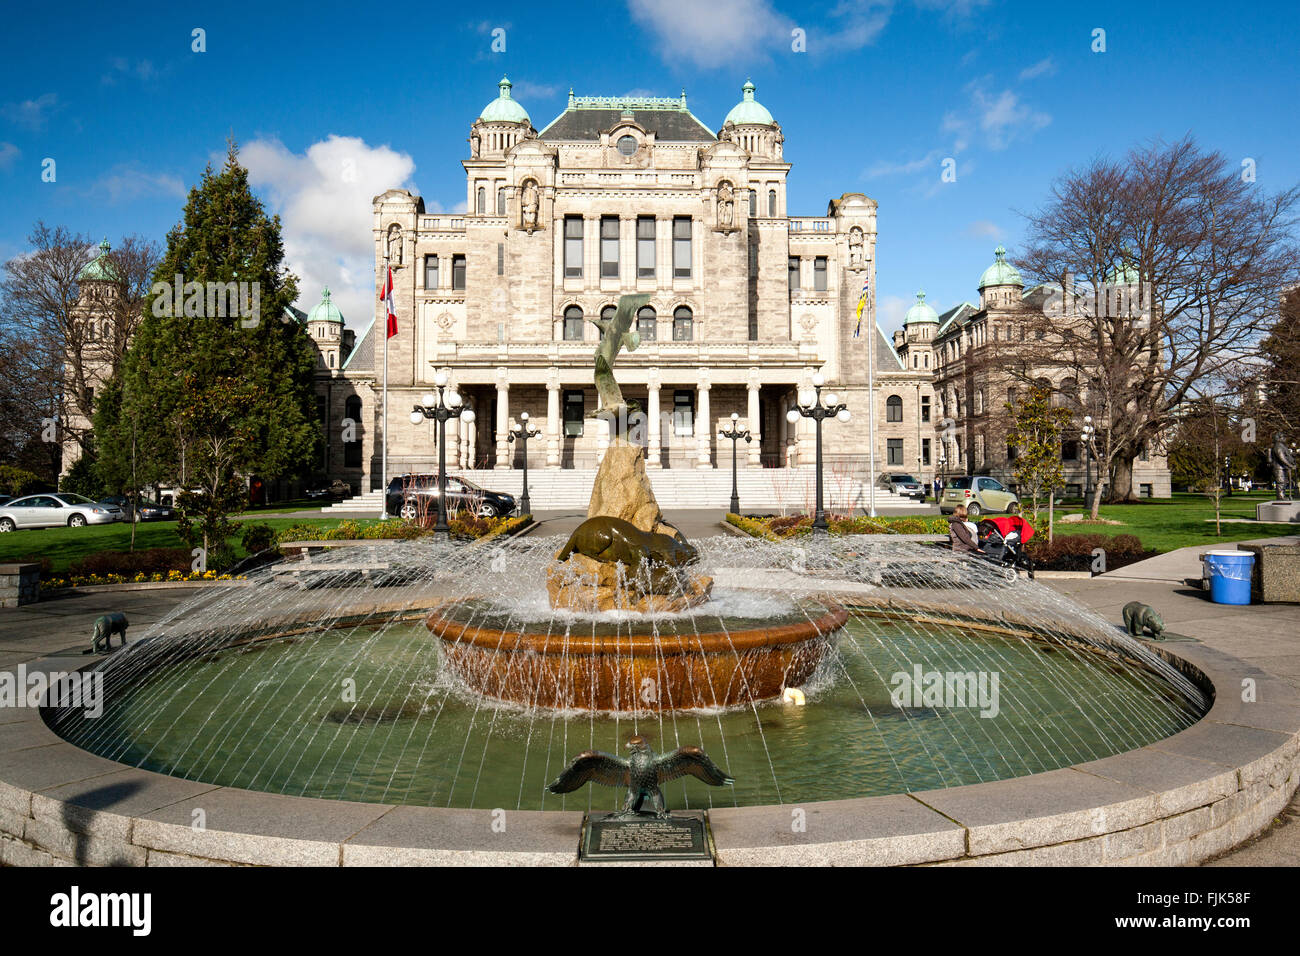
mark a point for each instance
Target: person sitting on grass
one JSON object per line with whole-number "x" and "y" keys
{"x": 962, "y": 533}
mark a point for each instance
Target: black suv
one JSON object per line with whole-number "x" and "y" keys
{"x": 414, "y": 496}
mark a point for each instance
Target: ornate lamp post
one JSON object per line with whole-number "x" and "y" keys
{"x": 812, "y": 406}
{"x": 735, "y": 434}
{"x": 1088, "y": 433}
{"x": 446, "y": 404}
{"x": 522, "y": 432}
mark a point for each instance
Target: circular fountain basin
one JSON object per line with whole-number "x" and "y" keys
{"x": 634, "y": 663}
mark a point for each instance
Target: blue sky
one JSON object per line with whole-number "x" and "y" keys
{"x": 334, "y": 102}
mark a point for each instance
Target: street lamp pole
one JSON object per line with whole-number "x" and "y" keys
{"x": 524, "y": 431}
{"x": 735, "y": 434}
{"x": 1087, "y": 433}
{"x": 811, "y": 406}
{"x": 440, "y": 407}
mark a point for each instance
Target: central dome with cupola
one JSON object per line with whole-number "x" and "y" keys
{"x": 504, "y": 109}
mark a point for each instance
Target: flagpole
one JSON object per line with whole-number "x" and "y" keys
{"x": 871, "y": 408}
{"x": 383, "y": 455}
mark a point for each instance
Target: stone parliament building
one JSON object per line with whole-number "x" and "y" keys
{"x": 622, "y": 195}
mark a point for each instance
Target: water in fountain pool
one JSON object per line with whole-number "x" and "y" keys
{"x": 944, "y": 674}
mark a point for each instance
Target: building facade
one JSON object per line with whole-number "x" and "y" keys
{"x": 618, "y": 196}
{"x": 621, "y": 195}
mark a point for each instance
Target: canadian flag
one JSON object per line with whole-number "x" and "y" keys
{"x": 387, "y": 296}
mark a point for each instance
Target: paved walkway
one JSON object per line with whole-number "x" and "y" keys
{"x": 1265, "y": 635}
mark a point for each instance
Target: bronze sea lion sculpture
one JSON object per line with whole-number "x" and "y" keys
{"x": 106, "y": 625}
{"x": 1139, "y": 618}
{"x": 606, "y": 538}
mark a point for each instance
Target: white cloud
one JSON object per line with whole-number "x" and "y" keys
{"x": 31, "y": 113}
{"x": 1044, "y": 67}
{"x": 882, "y": 167}
{"x": 984, "y": 229}
{"x": 8, "y": 154}
{"x": 713, "y": 34}
{"x": 324, "y": 199}
{"x": 526, "y": 90}
{"x": 953, "y": 9}
{"x": 126, "y": 182}
{"x": 121, "y": 67}
{"x": 996, "y": 119}
{"x": 890, "y": 312}
{"x": 857, "y": 23}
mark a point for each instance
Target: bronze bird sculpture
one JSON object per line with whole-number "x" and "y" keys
{"x": 641, "y": 773}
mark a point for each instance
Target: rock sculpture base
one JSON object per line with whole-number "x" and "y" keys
{"x": 584, "y": 584}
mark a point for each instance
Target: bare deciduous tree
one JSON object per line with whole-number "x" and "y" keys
{"x": 70, "y": 340}
{"x": 1207, "y": 255}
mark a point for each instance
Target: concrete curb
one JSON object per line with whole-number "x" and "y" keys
{"x": 1174, "y": 802}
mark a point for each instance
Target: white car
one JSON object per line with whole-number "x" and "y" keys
{"x": 56, "y": 510}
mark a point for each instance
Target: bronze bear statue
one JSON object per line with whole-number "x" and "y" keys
{"x": 608, "y": 539}
{"x": 1139, "y": 618}
{"x": 106, "y": 625}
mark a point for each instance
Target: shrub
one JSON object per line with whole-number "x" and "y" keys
{"x": 147, "y": 561}
{"x": 46, "y": 564}
{"x": 257, "y": 538}
{"x": 18, "y": 481}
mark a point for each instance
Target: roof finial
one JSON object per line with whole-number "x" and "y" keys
{"x": 1000, "y": 252}
{"x": 748, "y": 89}
{"x": 570, "y": 97}
{"x": 920, "y": 295}
{"x": 683, "y": 97}
{"x": 325, "y": 294}
{"x": 504, "y": 87}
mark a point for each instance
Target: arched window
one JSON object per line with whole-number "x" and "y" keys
{"x": 352, "y": 449}
{"x": 753, "y": 203}
{"x": 501, "y": 201}
{"x": 771, "y": 204}
{"x": 893, "y": 409}
{"x": 647, "y": 324}
{"x": 573, "y": 324}
{"x": 482, "y": 200}
{"x": 979, "y": 401}
{"x": 683, "y": 325}
{"x": 331, "y": 360}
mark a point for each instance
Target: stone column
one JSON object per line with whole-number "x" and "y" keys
{"x": 452, "y": 431}
{"x": 553, "y": 418}
{"x": 703, "y": 421}
{"x": 503, "y": 418}
{"x": 783, "y": 433}
{"x": 471, "y": 438}
{"x": 652, "y": 457}
{"x": 755, "y": 423}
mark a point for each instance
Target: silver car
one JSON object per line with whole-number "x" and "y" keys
{"x": 56, "y": 510}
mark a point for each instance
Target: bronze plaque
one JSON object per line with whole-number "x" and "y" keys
{"x": 682, "y": 836}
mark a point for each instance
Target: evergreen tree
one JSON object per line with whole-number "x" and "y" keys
{"x": 218, "y": 381}
{"x": 1036, "y": 427}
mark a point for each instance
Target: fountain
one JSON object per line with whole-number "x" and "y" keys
{"x": 626, "y": 557}
{"x": 470, "y": 676}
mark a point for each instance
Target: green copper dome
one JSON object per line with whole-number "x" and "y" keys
{"x": 100, "y": 268}
{"x": 1126, "y": 274}
{"x": 920, "y": 312}
{"x": 1001, "y": 272}
{"x": 503, "y": 109}
{"x": 326, "y": 311}
{"x": 749, "y": 111}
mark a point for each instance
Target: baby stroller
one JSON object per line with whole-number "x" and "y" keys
{"x": 1003, "y": 540}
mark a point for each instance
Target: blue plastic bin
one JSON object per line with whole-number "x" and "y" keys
{"x": 1230, "y": 573}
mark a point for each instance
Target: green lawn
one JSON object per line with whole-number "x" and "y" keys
{"x": 1167, "y": 524}
{"x": 65, "y": 545}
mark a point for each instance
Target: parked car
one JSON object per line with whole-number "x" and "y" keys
{"x": 903, "y": 485}
{"x": 55, "y": 510}
{"x": 335, "y": 489}
{"x": 980, "y": 494}
{"x": 412, "y": 495}
{"x": 154, "y": 511}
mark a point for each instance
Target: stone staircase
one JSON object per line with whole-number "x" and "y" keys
{"x": 760, "y": 489}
